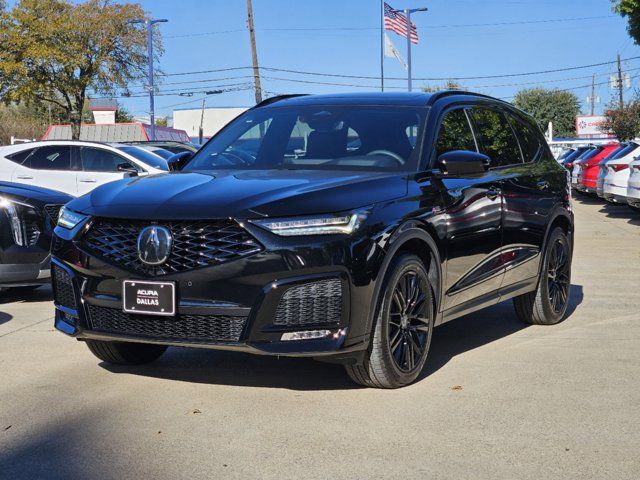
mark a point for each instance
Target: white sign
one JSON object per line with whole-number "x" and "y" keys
{"x": 589, "y": 125}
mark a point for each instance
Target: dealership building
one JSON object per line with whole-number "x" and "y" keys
{"x": 212, "y": 119}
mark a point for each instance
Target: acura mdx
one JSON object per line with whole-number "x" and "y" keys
{"x": 339, "y": 227}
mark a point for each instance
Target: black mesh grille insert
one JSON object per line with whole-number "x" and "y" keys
{"x": 311, "y": 303}
{"x": 195, "y": 244}
{"x": 219, "y": 328}
{"x": 53, "y": 211}
{"x": 62, "y": 287}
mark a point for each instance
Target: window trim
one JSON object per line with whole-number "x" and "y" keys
{"x": 465, "y": 107}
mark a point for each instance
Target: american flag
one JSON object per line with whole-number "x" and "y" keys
{"x": 397, "y": 22}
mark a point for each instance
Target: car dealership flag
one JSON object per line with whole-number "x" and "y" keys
{"x": 390, "y": 50}
{"x": 395, "y": 21}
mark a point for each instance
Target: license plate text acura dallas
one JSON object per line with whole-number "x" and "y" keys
{"x": 338, "y": 227}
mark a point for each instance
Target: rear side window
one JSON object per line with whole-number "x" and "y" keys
{"x": 20, "y": 156}
{"x": 529, "y": 139}
{"x": 53, "y": 157}
{"x": 497, "y": 139}
{"x": 98, "y": 160}
{"x": 455, "y": 133}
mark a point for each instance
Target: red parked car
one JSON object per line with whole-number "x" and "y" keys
{"x": 589, "y": 169}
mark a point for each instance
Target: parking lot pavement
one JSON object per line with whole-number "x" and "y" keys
{"x": 498, "y": 399}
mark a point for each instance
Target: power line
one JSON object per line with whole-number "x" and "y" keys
{"x": 351, "y": 29}
{"x": 373, "y": 77}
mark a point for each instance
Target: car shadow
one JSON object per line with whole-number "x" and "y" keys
{"x": 27, "y": 294}
{"x": 481, "y": 328}
{"x": 620, "y": 211}
{"x": 240, "y": 369}
{"x": 5, "y": 317}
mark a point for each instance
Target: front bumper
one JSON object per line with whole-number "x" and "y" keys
{"x": 25, "y": 274}
{"x": 248, "y": 292}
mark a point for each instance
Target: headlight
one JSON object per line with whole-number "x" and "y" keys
{"x": 316, "y": 225}
{"x": 70, "y": 219}
{"x": 24, "y": 233}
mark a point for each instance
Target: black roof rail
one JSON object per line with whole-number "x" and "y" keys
{"x": 277, "y": 98}
{"x": 446, "y": 93}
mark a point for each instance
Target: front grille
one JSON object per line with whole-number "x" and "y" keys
{"x": 62, "y": 288}
{"x": 195, "y": 244}
{"x": 311, "y": 303}
{"x": 198, "y": 328}
{"x": 53, "y": 211}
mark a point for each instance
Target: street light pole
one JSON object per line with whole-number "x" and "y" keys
{"x": 152, "y": 115}
{"x": 408, "y": 12}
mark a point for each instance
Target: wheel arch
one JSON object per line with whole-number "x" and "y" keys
{"x": 417, "y": 239}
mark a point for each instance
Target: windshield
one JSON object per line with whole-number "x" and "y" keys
{"x": 317, "y": 137}
{"x": 146, "y": 157}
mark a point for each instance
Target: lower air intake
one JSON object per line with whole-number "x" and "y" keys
{"x": 196, "y": 328}
{"x": 62, "y": 288}
{"x": 310, "y": 304}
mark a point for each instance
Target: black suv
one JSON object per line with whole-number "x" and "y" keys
{"x": 339, "y": 227}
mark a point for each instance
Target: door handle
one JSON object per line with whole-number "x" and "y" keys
{"x": 88, "y": 180}
{"x": 493, "y": 193}
{"x": 543, "y": 185}
{"x": 24, "y": 177}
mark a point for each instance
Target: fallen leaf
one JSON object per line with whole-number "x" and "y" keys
{"x": 456, "y": 387}
{"x": 7, "y": 428}
{"x": 195, "y": 411}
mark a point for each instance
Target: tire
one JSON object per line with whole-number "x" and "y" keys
{"x": 548, "y": 304}
{"x": 400, "y": 343}
{"x": 125, "y": 353}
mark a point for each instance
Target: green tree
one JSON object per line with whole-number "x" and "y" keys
{"x": 624, "y": 122}
{"x": 123, "y": 115}
{"x": 630, "y": 9}
{"x": 553, "y": 105}
{"x": 57, "y": 51}
{"x": 448, "y": 85}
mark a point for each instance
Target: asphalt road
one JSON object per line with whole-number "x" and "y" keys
{"x": 498, "y": 399}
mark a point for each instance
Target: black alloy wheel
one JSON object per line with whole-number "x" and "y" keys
{"x": 558, "y": 276}
{"x": 548, "y": 304}
{"x": 409, "y": 322}
{"x": 403, "y": 327}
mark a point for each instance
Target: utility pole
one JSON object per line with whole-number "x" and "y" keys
{"x": 254, "y": 53}
{"x": 152, "y": 115}
{"x": 408, "y": 12}
{"x": 201, "y": 129}
{"x": 620, "y": 85}
{"x": 593, "y": 94}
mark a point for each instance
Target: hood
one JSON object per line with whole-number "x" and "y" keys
{"x": 32, "y": 194}
{"x": 241, "y": 194}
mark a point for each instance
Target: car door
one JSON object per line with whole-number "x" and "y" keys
{"x": 99, "y": 166}
{"x": 531, "y": 180}
{"x": 49, "y": 166}
{"x": 473, "y": 213}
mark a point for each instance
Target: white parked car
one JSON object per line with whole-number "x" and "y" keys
{"x": 626, "y": 151}
{"x": 633, "y": 185}
{"x": 75, "y": 167}
{"x": 617, "y": 177}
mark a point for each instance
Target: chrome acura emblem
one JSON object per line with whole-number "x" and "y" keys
{"x": 154, "y": 245}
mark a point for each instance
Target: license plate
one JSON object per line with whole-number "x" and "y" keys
{"x": 149, "y": 298}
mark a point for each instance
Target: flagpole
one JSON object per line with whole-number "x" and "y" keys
{"x": 382, "y": 45}
{"x": 408, "y": 14}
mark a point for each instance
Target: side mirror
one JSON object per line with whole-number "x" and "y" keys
{"x": 179, "y": 160}
{"x": 461, "y": 163}
{"x": 128, "y": 168}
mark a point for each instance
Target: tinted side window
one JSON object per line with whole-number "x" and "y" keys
{"x": 98, "y": 160}
{"x": 496, "y": 137}
{"x": 529, "y": 139}
{"x": 455, "y": 133}
{"x": 20, "y": 157}
{"x": 53, "y": 157}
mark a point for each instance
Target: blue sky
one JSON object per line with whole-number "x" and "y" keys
{"x": 447, "y": 47}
